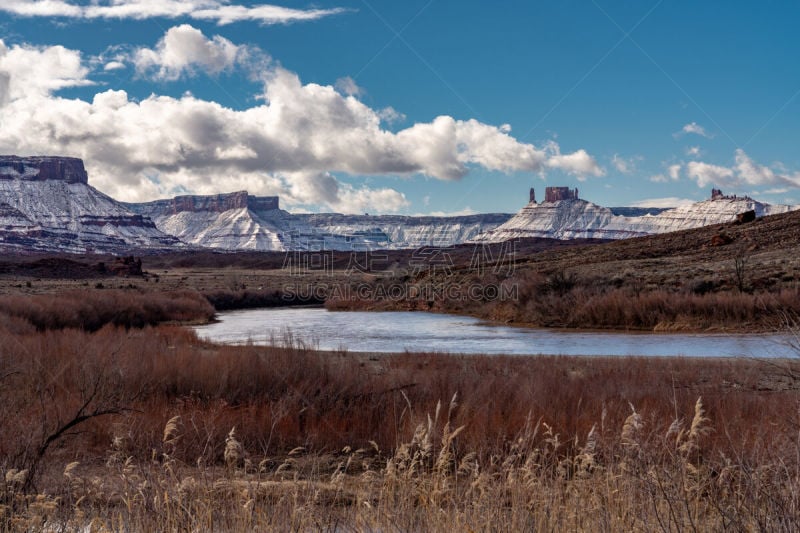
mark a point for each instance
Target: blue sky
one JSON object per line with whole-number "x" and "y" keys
{"x": 410, "y": 107}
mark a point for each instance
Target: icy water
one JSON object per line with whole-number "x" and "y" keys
{"x": 431, "y": 332}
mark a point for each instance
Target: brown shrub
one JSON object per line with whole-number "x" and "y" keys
{"x": 91, "y": 310}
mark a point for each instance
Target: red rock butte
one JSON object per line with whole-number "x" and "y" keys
{"x": 555, "y": 194}
{"x": 42, "y": 168}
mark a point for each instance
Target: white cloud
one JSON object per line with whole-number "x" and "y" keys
{"x": 348, "y": 87}
{"x": 289, "y": 145}
{"x": 361, "y": 200}
{"x": 693, "y": 151}
{"x": 184, "y": 49}
{"x": 710, "y": 175}
{"x": 674, "y": 172}
{"x": 696, "y": 129}
{"x": 745, "y": 171}
{"x": 219, "y": 11}
{"x": 752, "y": 173}
{"x": 41, "y": 8}
{"x": 625, "y": 166}
{"x": 578, "y": 163}
{"x": 391, "y": 116}
{"x": 114, "y": 65}
{"x": 671, "y": 201}
{"x": 323, "y": 188}
{"x": 31, "y": 70}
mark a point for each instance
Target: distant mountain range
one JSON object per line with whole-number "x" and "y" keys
{"x": 47, "y": 205}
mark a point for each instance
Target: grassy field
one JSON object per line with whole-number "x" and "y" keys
{"x": 109, "y": 425}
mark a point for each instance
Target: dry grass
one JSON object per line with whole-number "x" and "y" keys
{"x": 176, "y": 434}
{"x": 565, "y": 301}
{"x": 90, "y": 310}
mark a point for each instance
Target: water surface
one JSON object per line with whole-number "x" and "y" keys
{"x": 399, "y": 331}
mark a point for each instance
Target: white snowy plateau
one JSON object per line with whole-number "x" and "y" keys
{"x": 47, "y": 205}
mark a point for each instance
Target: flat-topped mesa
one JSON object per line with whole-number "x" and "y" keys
{"x": 213, "y": 203}
{"x": 42, "y": 168}
{"x": 263, "y": 203}
{"x": 216, "y": 203}
{"x": 556, "y": 194}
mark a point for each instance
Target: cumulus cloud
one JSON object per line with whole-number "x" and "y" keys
{"x": 674, "y": 172}
{"x": 744, "y": 172}
{"x": 324, "y": 188}
{"x": 706, "y": 174}
{"x": 754, "y": 174}
{"x": 578, "y": 163}
{"x": 291, "y": 144}
{"x": 693, "y": 151}
{"x": 33, "y": 70}
{"x": 114, "y": 65}
{"x": 622, "y": 165}
{"x": 625, "y": 165}
{"x": 185, "y": 49}
{"x": 391, "y": 116}
{"x": 696, "y": 129}
{"x": 41, "y": 8}
{"x": 219, "y": 11}
{"x": 348, "y": 86}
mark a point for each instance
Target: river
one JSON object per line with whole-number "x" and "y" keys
{"x": 431, "y": 332}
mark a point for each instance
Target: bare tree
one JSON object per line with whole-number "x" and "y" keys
{"x": 740, "y": 270}
{"x": 50, "y": 387}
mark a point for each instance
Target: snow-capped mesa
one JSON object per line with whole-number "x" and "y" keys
{"x": 563, "y": 215}
{"x": 239, "y": 221}
{"x": 235, "y": 221}
{"x": 47, "y": 204}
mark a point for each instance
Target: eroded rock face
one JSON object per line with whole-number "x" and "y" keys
{"x": 214, "y": 203}
{"x": 47, "y": 204}
{"x": 43, "y": 168}
{"x": 557, "y": 194}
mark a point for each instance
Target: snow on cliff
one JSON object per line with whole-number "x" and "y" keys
{"x": 47, "y": 204}
{"x": 238, "y": 221}
{"x": 576, "y": 218}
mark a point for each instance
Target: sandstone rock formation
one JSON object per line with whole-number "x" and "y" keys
{"x": 43, "y": 168}
{"x": 215, "y": 203}
{"x": 47, "y": 204}
{"x": 557, "y": 194}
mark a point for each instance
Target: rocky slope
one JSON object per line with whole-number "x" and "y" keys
{"x": 47, "y": 204}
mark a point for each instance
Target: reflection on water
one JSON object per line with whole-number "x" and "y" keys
{"x": 431, "y": 332}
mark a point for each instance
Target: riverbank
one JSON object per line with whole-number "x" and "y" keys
{"x": 156, "y": 429}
